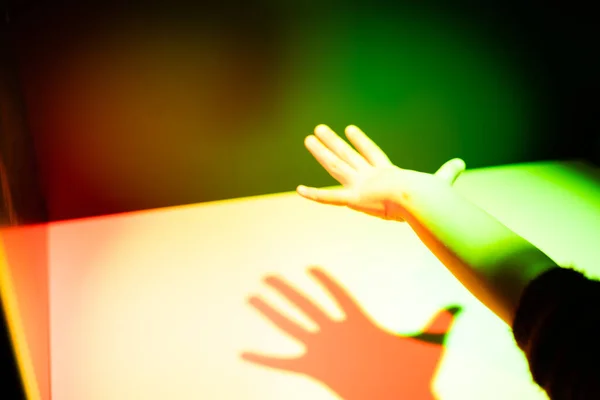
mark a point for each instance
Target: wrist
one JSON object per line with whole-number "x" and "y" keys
{"x": 415, "y": 191}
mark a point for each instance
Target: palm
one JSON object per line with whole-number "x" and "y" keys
{"x": 367, "y": 175}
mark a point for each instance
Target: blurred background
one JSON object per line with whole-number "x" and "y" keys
{"x": 108, "y": 107}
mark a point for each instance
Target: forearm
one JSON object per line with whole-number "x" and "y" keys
{"x": 490, "y": 260}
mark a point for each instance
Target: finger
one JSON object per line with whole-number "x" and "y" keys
{"x": 299, "y": 300}
{"x": 339, "y": 147}
{"x": 286, "y": 364}
{"x": 451, "y": 170}
{"x": 442, "y": 322}
{"x": 285, "y": 324}
{"x": 431, "y": 338}
{"x": 369, "y": 150}
{"x": 336, "y": 167}
{"x": 337, "y": 292}
{"x": 335, "y": 197}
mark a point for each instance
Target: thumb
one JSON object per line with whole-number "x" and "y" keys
{"x": 436, "y": 331}
{"x": 451, "y": 170}
{"x": 442, "y": 322}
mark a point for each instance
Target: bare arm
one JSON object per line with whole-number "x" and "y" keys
{"x": 489, "y": 259}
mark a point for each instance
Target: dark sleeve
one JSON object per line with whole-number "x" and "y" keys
{"x": 557, "y": 325}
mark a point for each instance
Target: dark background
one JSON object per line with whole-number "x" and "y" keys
{"x": 109, "y": 108}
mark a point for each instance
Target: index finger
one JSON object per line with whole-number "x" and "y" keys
{"x": 279, "y": 320}
{"x": 339, "y": 146}
{"x": 369, "y": 150}
{"x": 339, "y": 294}
{"x": 299, "y": 300}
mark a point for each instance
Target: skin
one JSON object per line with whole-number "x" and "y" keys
{"x": 490, "y": 260}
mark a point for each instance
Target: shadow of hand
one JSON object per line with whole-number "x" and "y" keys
{"x": 354, "y": 357}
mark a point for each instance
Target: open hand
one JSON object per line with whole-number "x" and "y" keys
{"x": 368, "y": 177}
{"x": 354, "y": 357}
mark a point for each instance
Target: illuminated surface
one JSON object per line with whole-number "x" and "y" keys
{"x": 25, "y": 299}
{"x": 153, "y": 305}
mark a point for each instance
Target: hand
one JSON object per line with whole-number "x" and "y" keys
{"x": 369, "y": 178}
{"x": 354, "y": 357}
